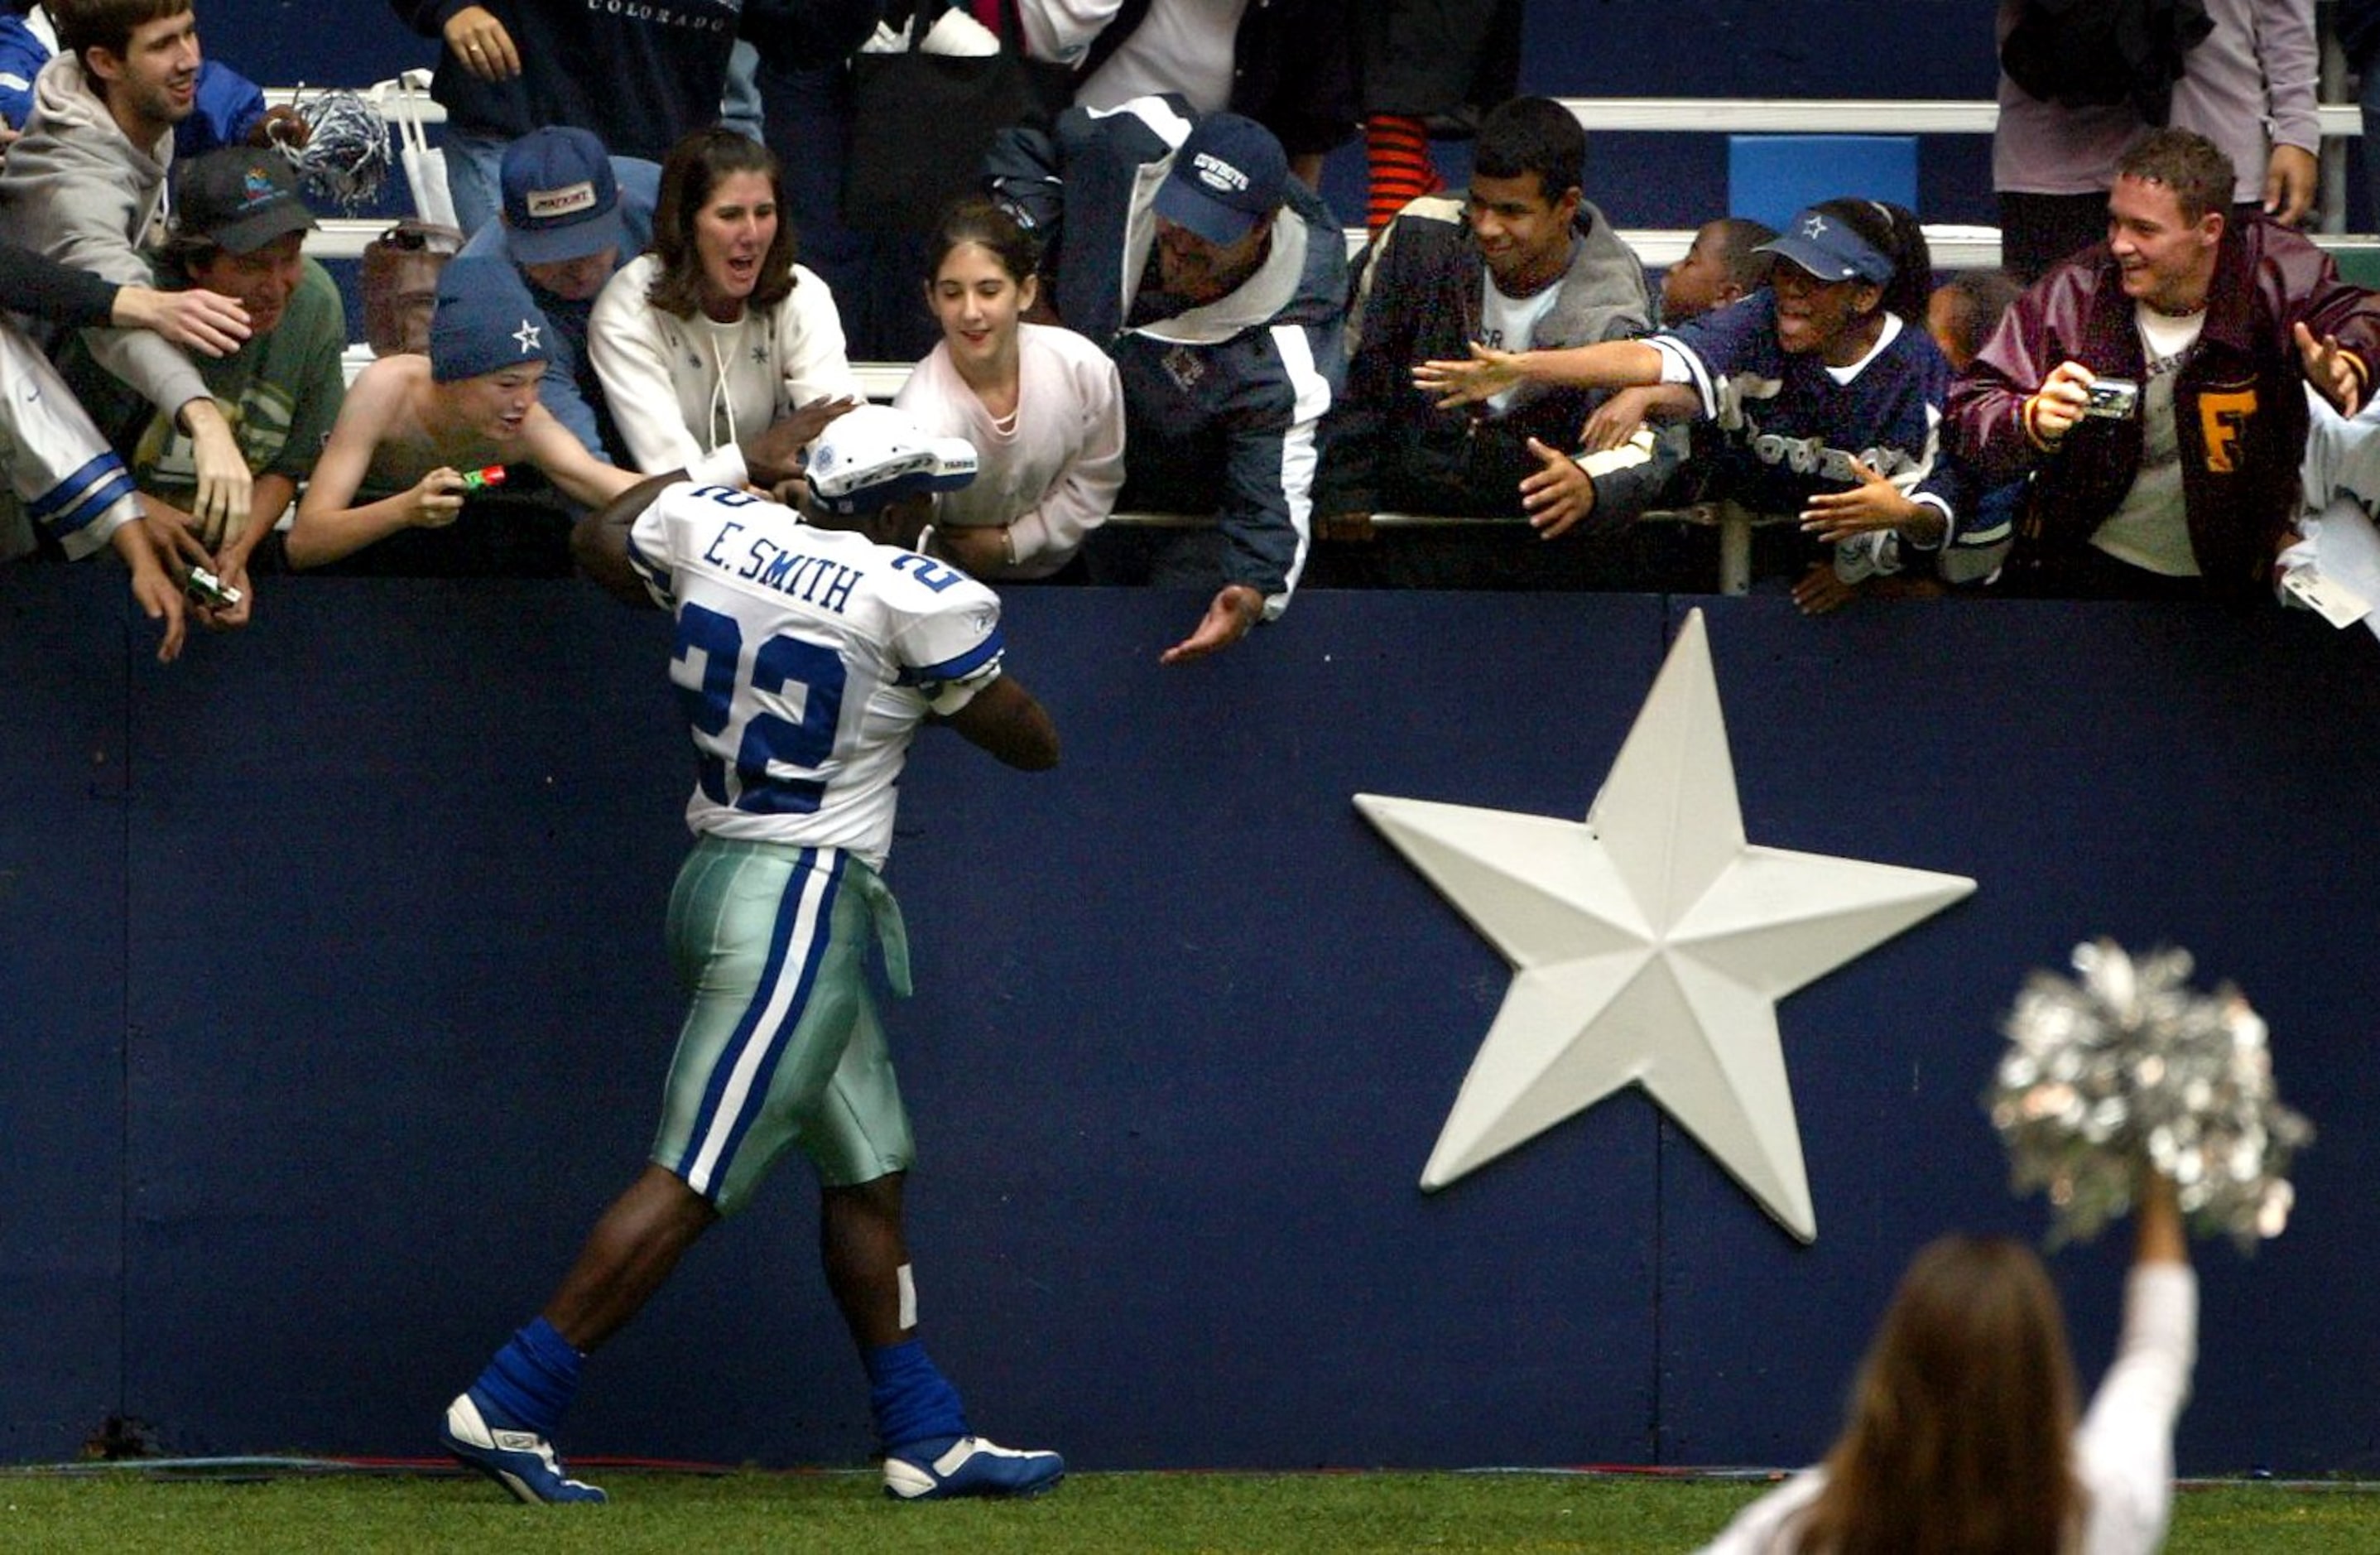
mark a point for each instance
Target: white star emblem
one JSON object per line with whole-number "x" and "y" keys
{"x": 1650, "y": 945}
{"x": 528, "y": 336}
{"x": 1814, "y": 226}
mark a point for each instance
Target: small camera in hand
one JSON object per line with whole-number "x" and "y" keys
{"x": 2112, "y": 400}
{"x": 208, "y": 590}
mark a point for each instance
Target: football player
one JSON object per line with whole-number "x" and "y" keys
{"x": 808, "y": 651}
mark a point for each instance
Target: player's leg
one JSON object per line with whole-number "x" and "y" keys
{"x": 860, "y": 1142}
{"x": 752, "y": 930}
{"x": 627, "y": 1256}
{"x": 867, "y": 1260}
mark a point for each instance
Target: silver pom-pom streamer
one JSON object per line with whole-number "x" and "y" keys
{"x": 346, "y": 158}
{"x": 2129, "y": 1064}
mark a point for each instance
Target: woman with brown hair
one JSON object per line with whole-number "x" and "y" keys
{"x": 1042, "y": 406}
{"x": 1963, "y": 1434}
{"x": 716, "y": 335}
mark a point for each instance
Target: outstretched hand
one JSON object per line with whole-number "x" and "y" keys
{"x": 1230, "y": 616}
{"x": 776, "y": 454}
{"x": 1875, "y": 503}
{"x": 1487, "y": 373}
{"x": 221, "y": 509}
{"x": 2329, "y": 369}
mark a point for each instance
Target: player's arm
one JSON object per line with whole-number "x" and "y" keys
{"x": 1004, "y": 719}
{"x": 599, "y": 541}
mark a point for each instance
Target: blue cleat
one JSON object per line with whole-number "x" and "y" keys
{"x": 968, "y": 1465}
{"x": 522, "y": 1461}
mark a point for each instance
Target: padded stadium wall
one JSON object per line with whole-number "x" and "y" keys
{"x": 337, "y": 1008}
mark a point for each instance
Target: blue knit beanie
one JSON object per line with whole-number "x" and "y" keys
{"x": 485, "y": 321}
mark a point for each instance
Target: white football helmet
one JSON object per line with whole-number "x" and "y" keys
{"x": 871, "y": 456}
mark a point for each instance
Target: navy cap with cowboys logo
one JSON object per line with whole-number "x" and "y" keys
{"x": 485, "y": 321}
{"x": 237, "y": 198}
{"x": 1228, "y": 176}
{"x": 1826, "y": 245}
{"x": 561, "y": 201}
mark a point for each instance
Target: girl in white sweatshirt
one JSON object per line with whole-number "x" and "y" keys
{"x": 1042, "y": 406}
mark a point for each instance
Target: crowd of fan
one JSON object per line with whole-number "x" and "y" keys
{"x": 1149, "y": 310}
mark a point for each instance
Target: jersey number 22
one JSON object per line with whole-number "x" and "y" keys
{"x": 773, "y": 753}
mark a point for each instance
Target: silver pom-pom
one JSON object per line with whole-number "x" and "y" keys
{"x": 2128, "y": 1064}
{"x": 346, "y": 158}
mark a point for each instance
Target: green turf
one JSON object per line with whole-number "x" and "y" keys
{"x": 1297, "y": 1514}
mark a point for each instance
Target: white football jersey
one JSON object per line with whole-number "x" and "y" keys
{"x": 805, "y": 658}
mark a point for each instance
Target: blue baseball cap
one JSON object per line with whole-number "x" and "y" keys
{"x": 485, "y": 321}
{"x": 1228, "y": 176}
{"x": 1827, "y": 247}
{"x": 561, "y": 201}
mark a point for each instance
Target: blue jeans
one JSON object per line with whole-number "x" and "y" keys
{"x": 475, "y": 177}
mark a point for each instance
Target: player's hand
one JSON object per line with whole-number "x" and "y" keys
{"x": 1486, "y": 373}
{"x": 777, "y": 453}
{"x": 2054, "y": 408}
{"x": 1557, "y": 496}
{"x": 1875, "y": 503}
{"x": 195, "y": 320}
{"x": 2329, "y": 369}
{"x": 436, "y": 499}
{"x": 480, "y": 45}
{"x": 2291, "y": 179}
{"x": 1230, "y": 617}
{"x": 1821, "y": 592}
{"x": 225, "y": 484}
{"x": 980, "y": 550}
{"x": 1620, "y": 415}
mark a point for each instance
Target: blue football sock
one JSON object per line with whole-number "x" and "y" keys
{"x": 531, "y": 1380}
{"x": 913, "y": 1401}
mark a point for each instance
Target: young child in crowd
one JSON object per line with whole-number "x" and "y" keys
{"x": 394, "y": 475}
{"x": 1042, "y": 406}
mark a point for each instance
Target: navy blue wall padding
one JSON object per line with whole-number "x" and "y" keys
{"x": 336, "y": 1009}
{"x": 63, "y": 1020}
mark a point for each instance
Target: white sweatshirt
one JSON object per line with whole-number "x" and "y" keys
{"x": 1051, "y": 475}
{"x": 682, "y": 391}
